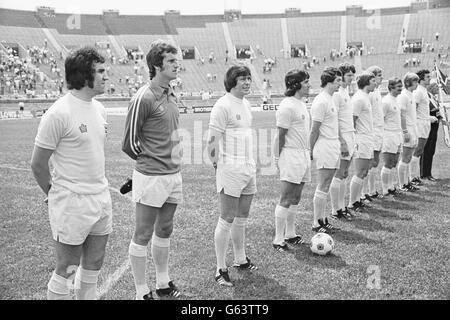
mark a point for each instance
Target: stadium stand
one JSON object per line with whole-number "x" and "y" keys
{"x": 206, "y": 39}
{"x": 305, "y": 30}
{"x": 380, "y": 33}
{"x": 256, "y": 32}
{"x": 18, "y": 18}
{"x": 138, "y": 25}
{"x": 426, "y": 23}
{"x": 84, "y": 24}
{"x": 322, "y": 33}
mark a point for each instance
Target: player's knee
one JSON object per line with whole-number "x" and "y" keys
{"x": 164, "y": 230}
{"x": 66, "y": 270}
{"x": 295, "y": 200}
{"x": 142, "y": 236}
{"x": 93, "y": 263}
{"x": 227, "y": 216}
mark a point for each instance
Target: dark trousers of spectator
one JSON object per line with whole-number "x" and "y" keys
{"x": 426, "y": 160}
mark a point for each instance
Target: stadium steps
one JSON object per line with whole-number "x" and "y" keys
{"x": 405, "y": 26}
{"x": 54, "y": 42}
{"x": 285, "y": 37}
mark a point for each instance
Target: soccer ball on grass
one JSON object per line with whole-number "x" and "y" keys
{"x": 322, "y": 244}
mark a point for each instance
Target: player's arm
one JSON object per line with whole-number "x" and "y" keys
{"x": 217, "y": 127}
{"x": 357, "y": 107}
{"x": 138, "y": 111}
{"x": 40, "y": 168}
{"x": 338, "y": 102}
{"x": 214, "y": 137}
{"x": 403, "y": 112}
{"x": 280, "y": 141}
{"x": 355, "y": 118}
{"x": 314, "y": 135}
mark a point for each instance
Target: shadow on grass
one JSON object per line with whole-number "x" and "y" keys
{"x": 370, "y": 224}
{"x": 254, "y": 285}
{"x": 304, "y": 254}
{"x": 351, "y": 237}
{"x": 379, "y": 213}
{"x": 398, "y": 204}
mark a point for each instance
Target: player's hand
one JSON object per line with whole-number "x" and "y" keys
{"x": 434, "y": 119}
{"x": 406, "y": 137}
{"x": 344, "y": 149}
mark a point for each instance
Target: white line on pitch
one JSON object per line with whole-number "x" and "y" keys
{"x": 14, "y": 168}
{"x": 112, "y": 279}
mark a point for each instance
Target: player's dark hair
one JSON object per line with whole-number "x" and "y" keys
{"x": 376, "y": 70}
{"x": 392, "y": 83}
{"x": 346, "y": 67}
{"x": 421, "y": 74}
{"x": 79, "y": 67}
{"x": 293, "y": 81}
{"x": 155, "y": 56}
{"x": 409, "y": 78}
{"x": 363, "y": 79}
{"x": 232, "y": 73}
{"x": 329, "y": 75}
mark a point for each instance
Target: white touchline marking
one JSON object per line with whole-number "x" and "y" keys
{"x": 14, "y": 168}
{"x": 116, "y": 275}
{"x": 113, "y": 278}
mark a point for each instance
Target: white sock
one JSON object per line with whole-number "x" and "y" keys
{"x": 393, "y": 179}
{"x": 160, "y": 253}
{"x": 58, "y": 288}
{"x": 86, "y": 284}
{"x": 415, "y": 167}
{"x": 290, "y": 221}
{"x": 402, "y": 173}
{"x": 238, "y": 239}
{"x": 408, "y": 173}
{"x": 365, "y": 188}
{"x": 335, "y": 189}
{"x": 385, "y": 179}
{"x": 138, "y": 261}
{"x": 221, "y": 240}
{"x": 342, "y": 188}
{"x": 280, "y": 223}
{"x": 320, "y": 202}
{"x": 372, "y": 175}
{"x": 356, "y": 186}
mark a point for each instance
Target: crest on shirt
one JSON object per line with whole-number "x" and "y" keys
{"x": 83, "y": 128}
{"x": 332, "y": 109}
{"x": 238, "y": 117}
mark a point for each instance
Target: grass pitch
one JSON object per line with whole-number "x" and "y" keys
{"x": 398, "y": 250}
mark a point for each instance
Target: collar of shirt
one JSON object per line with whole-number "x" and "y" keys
{"x": 160, "y": 91}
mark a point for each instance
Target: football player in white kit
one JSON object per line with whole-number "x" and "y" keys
{"x": 409, "y": 120}
{"x": 424, "y": 120}
{"x": 342, "y": 101}
{"x": 378, "y": 123}
{"x": 392, "y": 136}
{"x": 362, "y": 115}
{"x": 230, "y": 151}
{"x": 291, "y": 149}
{"x": 325, "y": 145}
